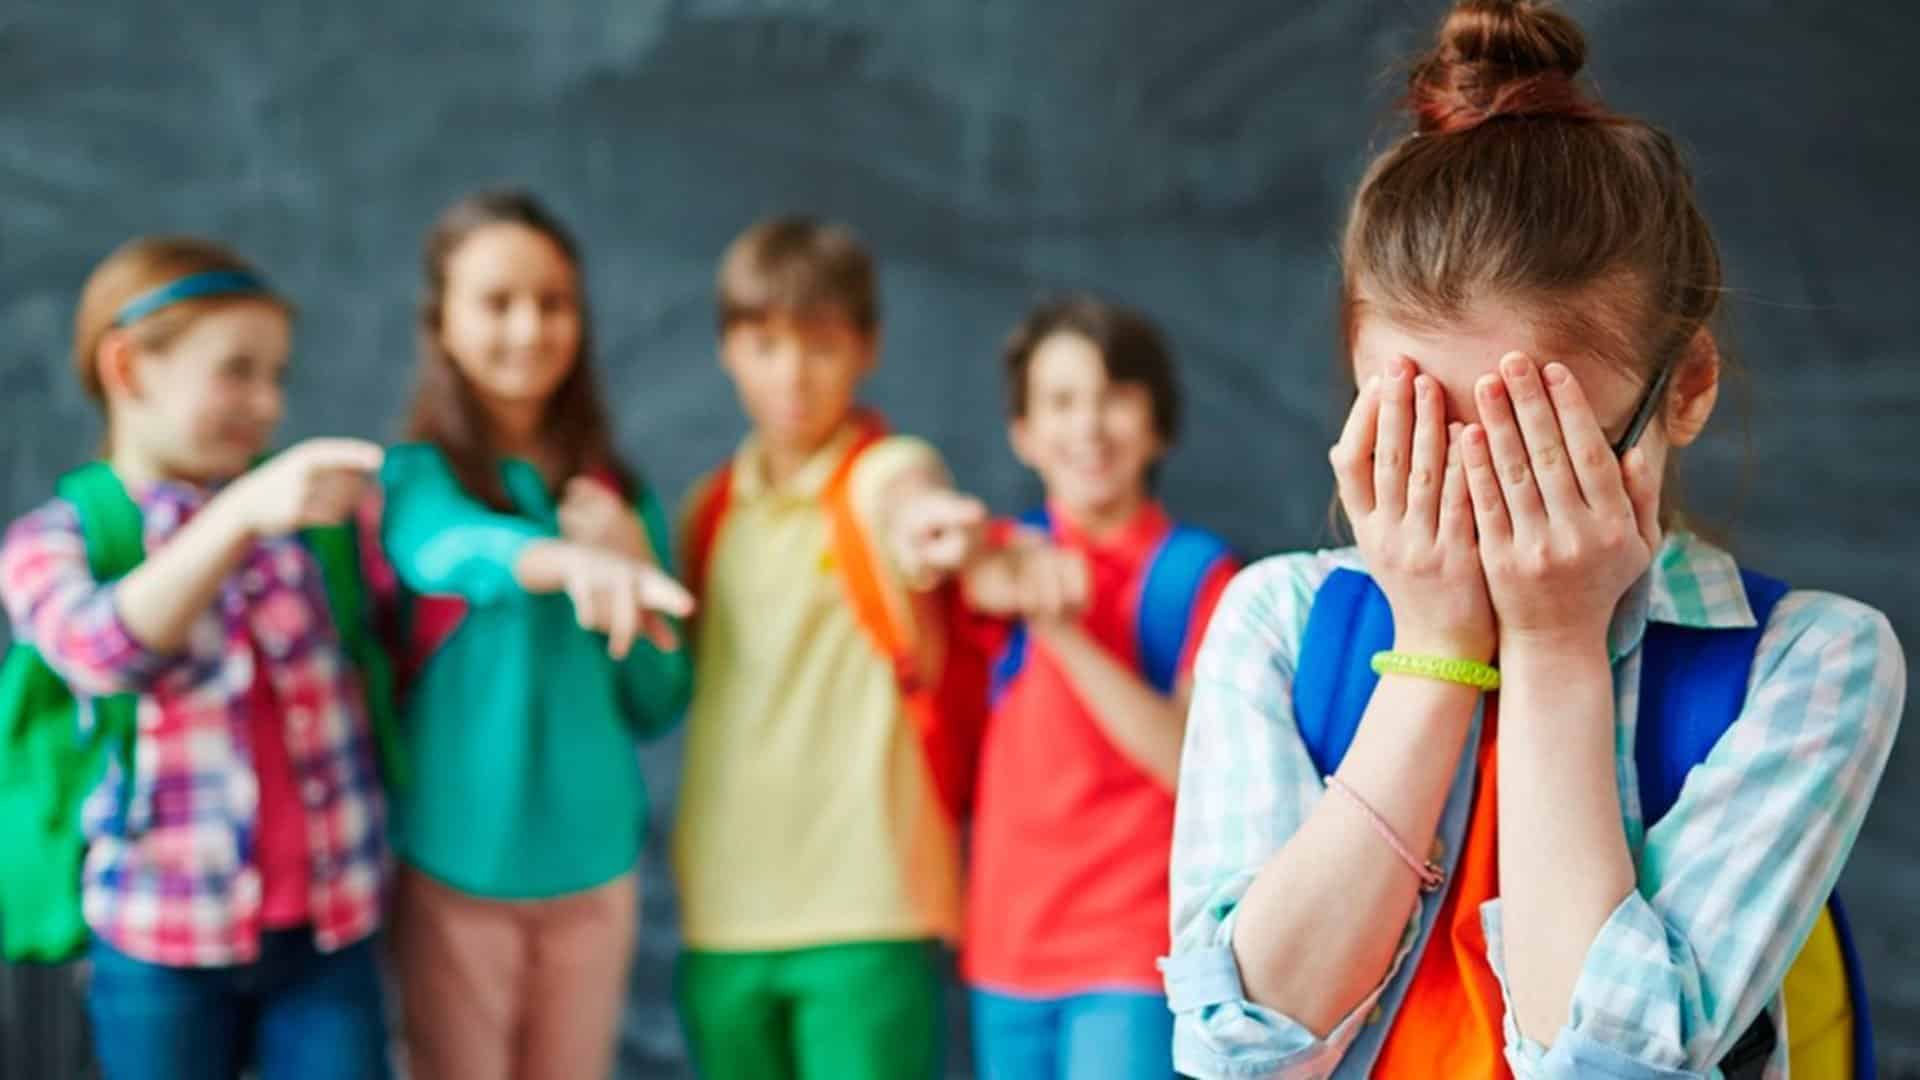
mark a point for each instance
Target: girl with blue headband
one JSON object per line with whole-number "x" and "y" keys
{"x": 195, "y": 613}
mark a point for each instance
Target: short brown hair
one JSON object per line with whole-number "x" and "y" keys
{"x": 1129, "y": 343}
{"x": 800, "y": 267}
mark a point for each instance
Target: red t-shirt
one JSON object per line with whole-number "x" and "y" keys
{"x": 1071, "y": 839}
{"x": 280, "y": 848}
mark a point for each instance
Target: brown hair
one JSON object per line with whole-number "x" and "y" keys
{"x": 448, "y": 414}
{"x": 1518, "y": 184}
{"x": 797, "y": 266}
{"x": 139, "y": 266}
{"x": 1130, "y": 346}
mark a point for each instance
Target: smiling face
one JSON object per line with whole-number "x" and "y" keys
{"x": 510, "y": 318}
{"x": 1091, "y": 439}
{"x": 204, "y": 405}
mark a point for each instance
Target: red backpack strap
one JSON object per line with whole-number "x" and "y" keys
{"x": 607, "y": 477}
{"x": 703, "y": 527}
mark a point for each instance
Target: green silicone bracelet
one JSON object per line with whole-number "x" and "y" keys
{"x": 1464, "y": 672}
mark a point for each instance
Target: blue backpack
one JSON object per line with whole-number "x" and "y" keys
{"x": 1175, "y": 575}
{"x": 1693, "y": 683}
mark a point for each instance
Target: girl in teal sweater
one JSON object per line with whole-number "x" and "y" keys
{"x": 545, "y": 629}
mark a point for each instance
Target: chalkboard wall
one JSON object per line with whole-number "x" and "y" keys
{"x": 1192, "y": 158}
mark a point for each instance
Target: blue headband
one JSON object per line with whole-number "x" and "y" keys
{"x": 191, "y": 287}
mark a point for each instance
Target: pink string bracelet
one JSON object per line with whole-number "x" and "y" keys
{"x": 1430, "y": 875}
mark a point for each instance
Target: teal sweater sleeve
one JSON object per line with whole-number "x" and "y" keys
{"x": 657, "y": 684}
{"x": 444, "y": 541}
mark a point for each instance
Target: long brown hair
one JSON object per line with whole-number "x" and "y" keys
{"x": 1518, "y": 184}
{"x": 447, "y": 413}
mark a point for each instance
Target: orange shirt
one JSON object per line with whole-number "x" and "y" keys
{"x": 1449, "y": 1023}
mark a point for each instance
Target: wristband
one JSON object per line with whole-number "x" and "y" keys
{"x": 1460, "y": 672}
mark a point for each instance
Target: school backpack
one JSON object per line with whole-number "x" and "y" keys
{"x": 948, "y": 707}
{"x": 1176, "y": 572}
{"x": 48, "y": 765}
{"x": 1693, "y": 682}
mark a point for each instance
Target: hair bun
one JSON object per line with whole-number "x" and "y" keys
{"x": 1498, "y": 58}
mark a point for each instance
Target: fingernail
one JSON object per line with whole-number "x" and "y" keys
{"x": 1489, "y": 386}
{"x": 1557, "y": 373}
{"x": 1399, "y": 366}
{"x": 1515, "y": 365}
{"x": 1423, "y": 384}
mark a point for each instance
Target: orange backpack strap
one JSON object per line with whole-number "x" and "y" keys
{"x": 703, "y": 528}
{"x": 875, "y": 606}
{"x": 946, "y": 706}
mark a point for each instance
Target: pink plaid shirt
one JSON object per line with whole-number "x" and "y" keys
{"x": 171, "y": 876}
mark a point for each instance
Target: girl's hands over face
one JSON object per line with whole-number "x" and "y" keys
{"x": 1564, "y": 529}
{"x": 1406, "y": 495}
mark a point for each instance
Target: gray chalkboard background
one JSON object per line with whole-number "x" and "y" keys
{"x": 1193, "y": 158}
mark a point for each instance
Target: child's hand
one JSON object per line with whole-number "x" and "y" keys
{"x": 1407, "y": 498}
{"x": 1564, "y": 528}
{"x": 1029, "y": 579}
{"x": 618, "y": 596}
{"x": 593, "y": 514}
{"x": 316, "y": 482}
{"x": 936, "y": 533}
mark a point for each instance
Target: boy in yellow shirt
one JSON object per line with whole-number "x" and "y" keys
{"x": 816, "y": 858}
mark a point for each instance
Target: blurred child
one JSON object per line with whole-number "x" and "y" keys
{"x": 545, "y": 633}
{"x": 236, "y": 859}
{"x": 1067, "y": 895}
{"x": 816, "y": 843}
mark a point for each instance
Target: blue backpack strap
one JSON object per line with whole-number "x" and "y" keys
{"x": 1693, "y": 683}
{"x": 1174, "y": 578}
{"x": 1864, "y": 1065}
{"x": 1333, "y": 677}
{"x": 1006, "y": 667}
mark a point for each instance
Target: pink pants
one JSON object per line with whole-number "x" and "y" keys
{"x": 512, "y": 990}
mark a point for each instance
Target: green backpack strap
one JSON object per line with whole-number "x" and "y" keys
{"x": 48, "y": 767}
{"x": 337, "y": 549}
{"x": 109, "y": 519}
{"x": 115, "y": 536}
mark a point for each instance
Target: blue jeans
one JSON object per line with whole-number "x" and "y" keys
{"x": 294, "y": 1014}
{"x": 1114, "y": 1035}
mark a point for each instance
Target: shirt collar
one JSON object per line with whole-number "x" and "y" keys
{"x": 1133, "y": 541}
{"x": 1690, "y": 583}
{"x": 750, "y": 467}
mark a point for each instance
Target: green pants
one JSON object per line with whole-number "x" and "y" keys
{"x": 863, "y": 1011}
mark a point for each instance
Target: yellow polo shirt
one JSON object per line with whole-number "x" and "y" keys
{"x": 807, "y": 814}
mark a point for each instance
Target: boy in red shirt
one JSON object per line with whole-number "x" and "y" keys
{"x": 1097, "y": 627}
